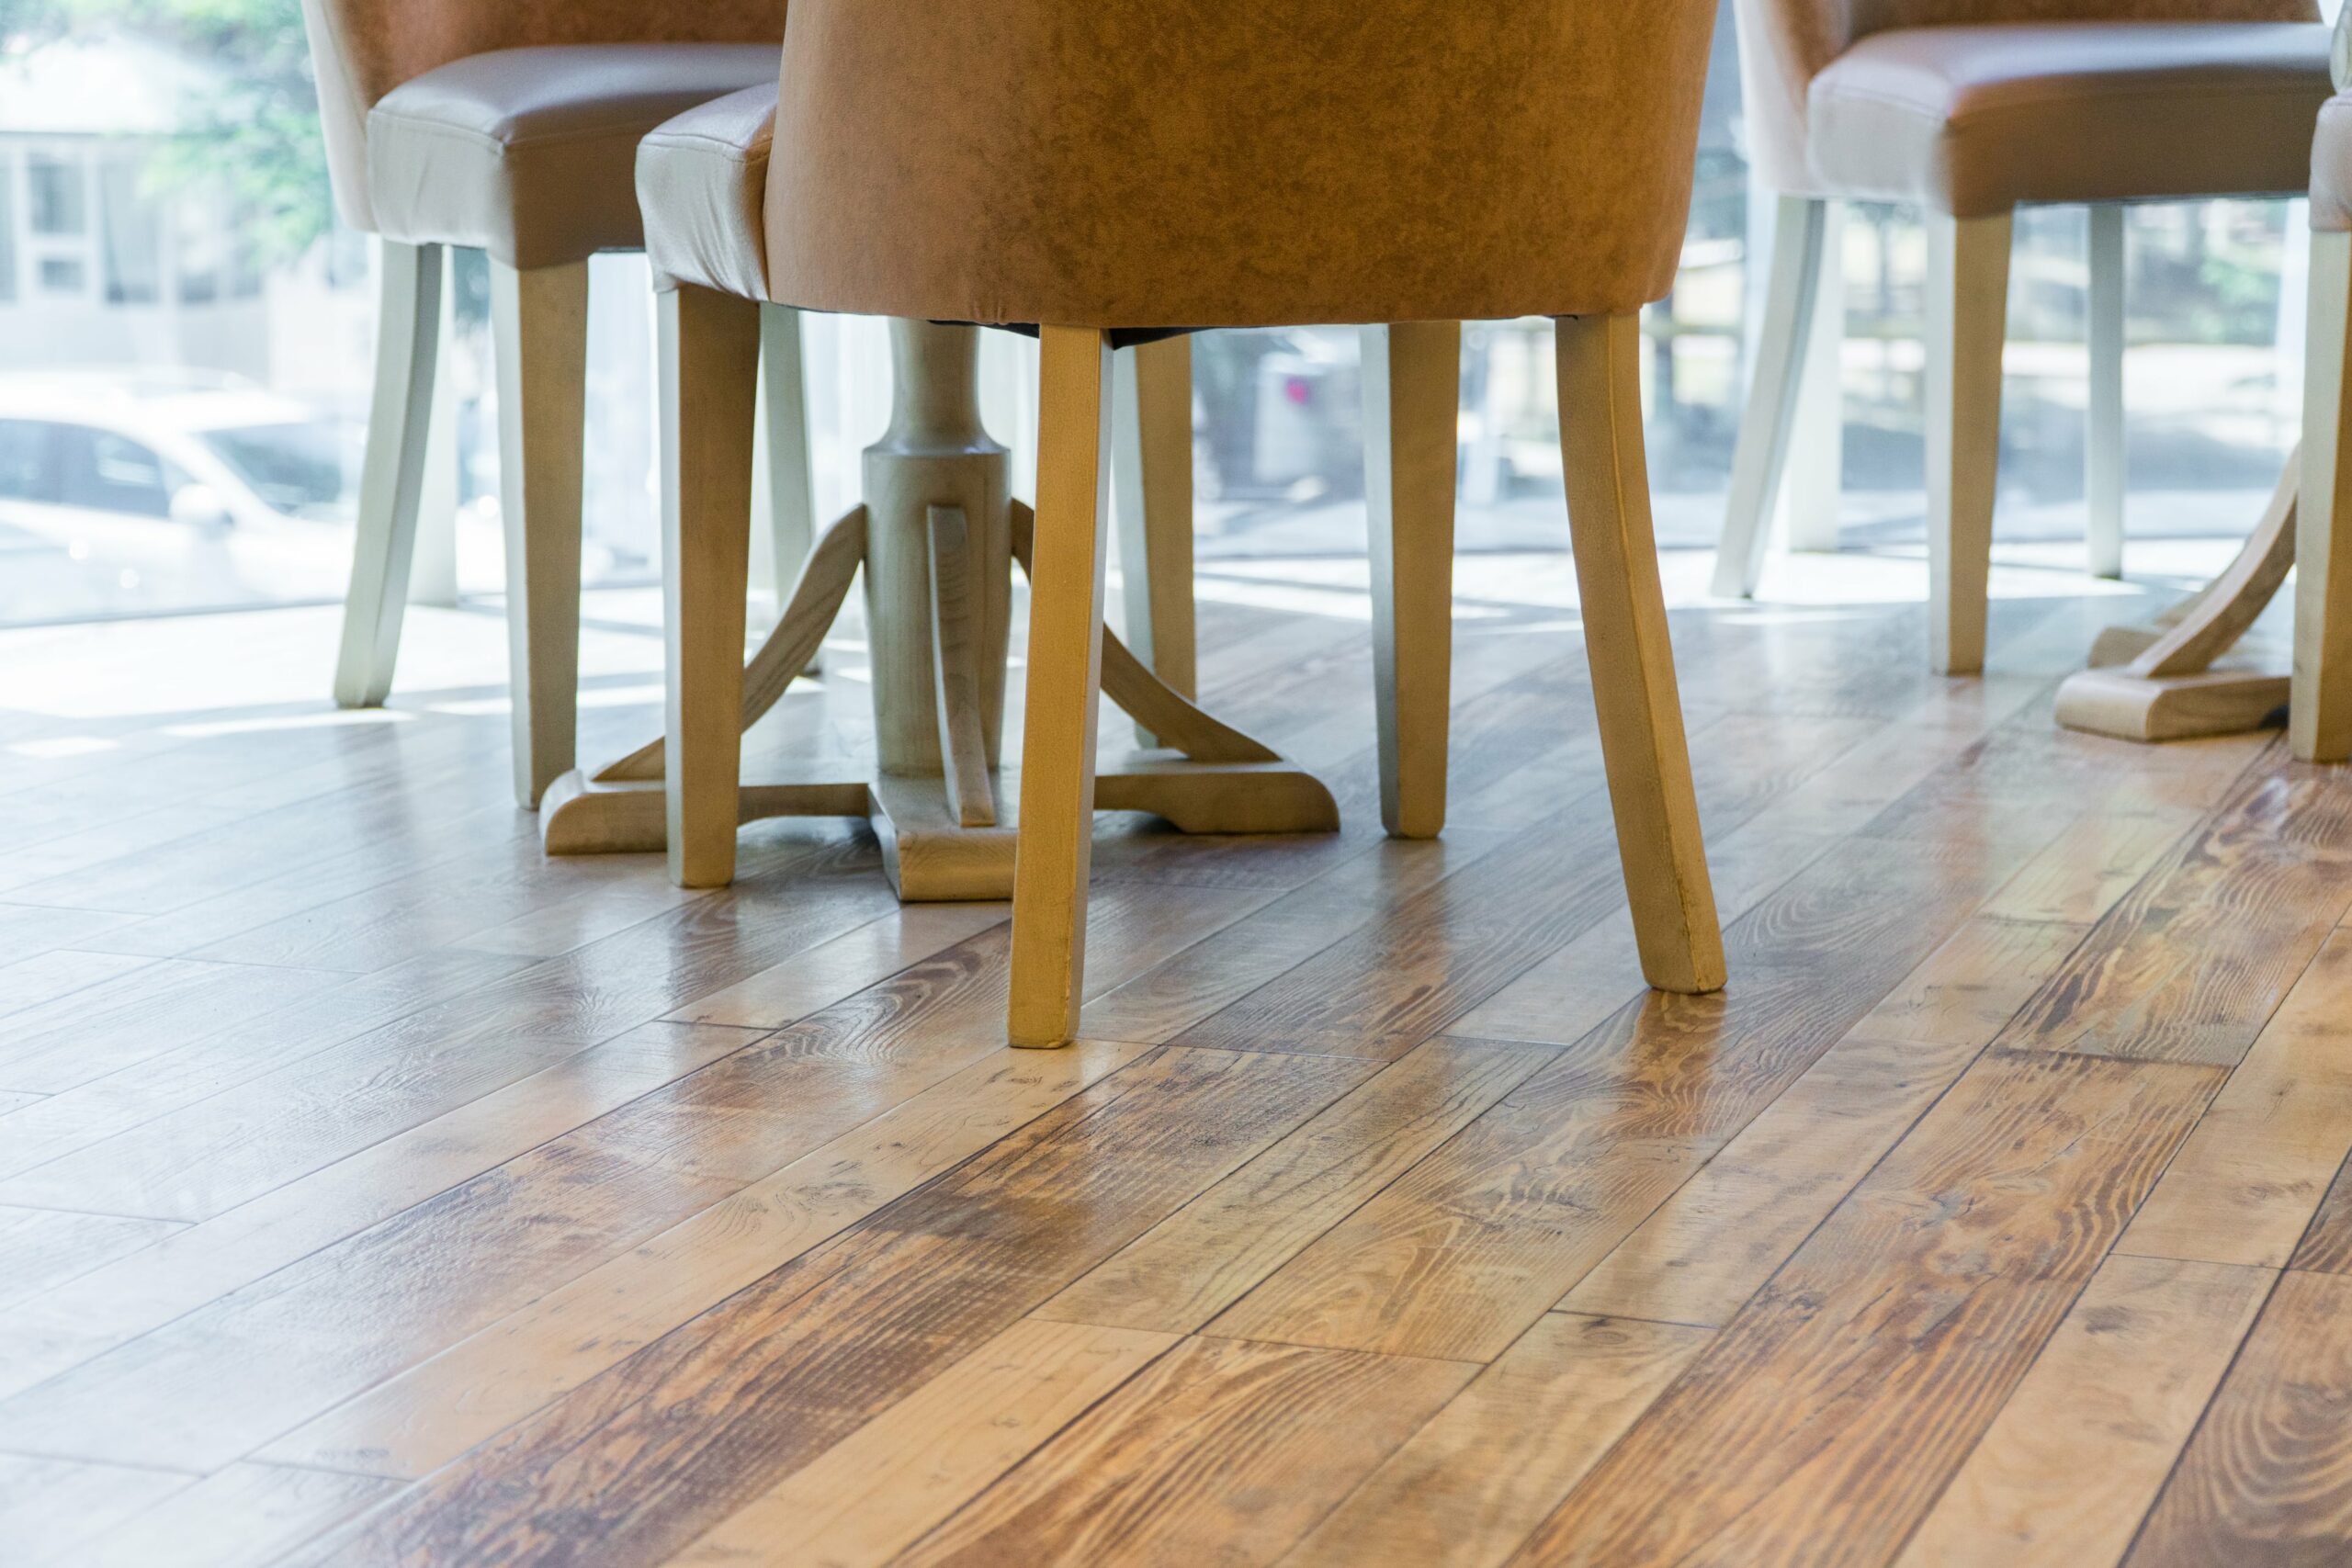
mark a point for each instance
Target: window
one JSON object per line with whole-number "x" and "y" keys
{"x": 108, "y": 472}
{"x": 58, "y": 199}
{"x": 61, "y": 274}
{"x": 131, "y": 234}
{"x": 28, "y": 464}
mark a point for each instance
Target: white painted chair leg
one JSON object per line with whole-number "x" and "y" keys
{"x": 2320, "y": 718}
{"x": 1151, "y": 467}
{"x": 540, "y": 322}
{"x": 391, "y": 478}
{"x": 1412, "y": 391}
{"x": 1057, "y": 842}
{"x": 710, "y": 347}
{"x": 1968, "y": 291}
{"x": 791, "y": 474}
{"x": 2103, "y": 432}
{"x": 1812, "y": 484}
{"x": 1792, "y": 281}
{"x": 1623, "y": 607}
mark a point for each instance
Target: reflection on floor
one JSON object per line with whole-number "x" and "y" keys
{"x": 374, "y": 1190}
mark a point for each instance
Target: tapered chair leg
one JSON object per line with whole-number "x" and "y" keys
{"x": 791, "y": 476}
{"x": 1791, "y": 287}
{"x": 1057, "y": 842}
{"x": 1812, "y": 483}
{"x": 1153, "y": 467}
{"x": 2103, "y": 425}
{"x": 1968, "y": 293}
{"x": 1623, "y": 606}
{"x": 392, "y": 480}
{"x": 710, "y": 349}
{"x": 1412, "y": 388}
{"x": 2320, "y": 719}
{"x": 540, "y": 322}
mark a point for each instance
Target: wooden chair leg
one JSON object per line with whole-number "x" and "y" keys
{"x": 540, "y": 322}
{"x": 1153, "y": 467}
{"x": 1623, "y": 606}
{"x": 2103, "y": 434}
{"x": 710, "y": 347}
{"x": 2320, "y": 718}
{"x": 1791, "y": 286}
{"x": 791, "y": 476}
{"x": 1968, "y": 291}
{"x": 1412, "y": 389}
{"x": 1056, "y": 818}
{"x": 391, "y": 478}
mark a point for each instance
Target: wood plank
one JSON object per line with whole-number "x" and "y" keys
{"x": 1468, "y": 1487}
{"x": 885, "y": 1486}
{"x": 2094, "y": 862}
{"x": 207, "y": 1066}
{"x": 138, "y": 1015}
{"x": 2067, "y": 1470}
{"x": 50, "y": 1508}
{"x": 832, "y": 972}
{"x": 2247, "y": 1182}
{"x": 2268, "y": 1479}
{"x": 2326, "y": 1246}
{"x": 42, "y": 1248}
{"x": 1190, "y": 1267}
{"x": 646, "y": 1457}
{"x": 1169, "y": 999}
{"x": 1821, "y": 1423}
{"x": 1461, "y": 1254}
{"x": 47, "y": 1336}
{"x": 1436, "y": 956}
{"x": 44, "y": 977}
{"x": 2191, "y": 963}
{"x": 1711, "y": 1245}
{"x": 411, "y": 1424}
{"x": 1220, "y": 1451}
{"x": 244, "y": 1514}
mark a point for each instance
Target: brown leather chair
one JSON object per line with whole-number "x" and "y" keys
{"x": 2320, "y": 721}
{"x": 1105, "y": 170}
{"x": 512, "y": 128}
{"x": 1969, "y": 109}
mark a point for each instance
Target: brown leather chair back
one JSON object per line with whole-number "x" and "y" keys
{"x": 363, "y": 49}
{"x": 1783, "y": 43}
{"x": 1211, "y": 162}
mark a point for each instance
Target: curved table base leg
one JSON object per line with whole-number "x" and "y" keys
{"x": 2156, "y": 682}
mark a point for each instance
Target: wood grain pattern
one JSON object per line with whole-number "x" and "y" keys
{"x": 1288, "y": 1430}
{"x": 1493, "y": 1228}
{"x": 2064, "y": 1474}
{"x": 886, "y": 1484}
{"x": 42, "y": 1248}
{"x": 49, "y": 1509}
{"x": 2189, "y": 965}
{"x": 2268, "y": 1479}
{"x": 2326, "y": 1246}
{"x": 113, "y": 1304}
{"x": 644, "y": 1458}
{"x": 1199, "y": 1261}
{"x": 1467, "y": 1487}
{"x": 2247, "y": 1182}
{"x": 240, "y": 1515}
{"x": 409, "y": 1424}
{"x": 1898, "y": 1329}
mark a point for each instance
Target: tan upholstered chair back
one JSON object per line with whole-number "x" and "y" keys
{"x": 1207, "y": 162}
{"x": 363, "y": 49}
{"x": 1783, "y": 43}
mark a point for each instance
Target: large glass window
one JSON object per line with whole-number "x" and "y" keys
{"x": 171, "y": 269}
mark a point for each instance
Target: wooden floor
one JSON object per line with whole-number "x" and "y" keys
{"x": 374, "y": 1192}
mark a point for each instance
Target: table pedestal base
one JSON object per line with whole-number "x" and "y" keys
{"x": 937, "y": 544}
{"x": 2156, "y": 682}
